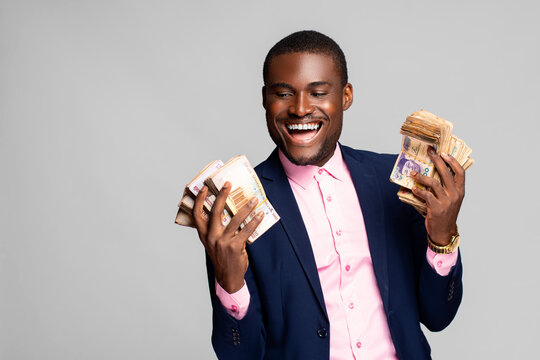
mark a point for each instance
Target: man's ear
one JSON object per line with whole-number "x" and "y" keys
{"x": 347, "y": 96}
{"x": 264, "y": 97}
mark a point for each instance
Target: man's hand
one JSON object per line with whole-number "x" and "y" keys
{"x": 443, "y": 199}
{"x": 225, "y": 245}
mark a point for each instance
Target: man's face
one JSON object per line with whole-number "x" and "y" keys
{"x": 304, "y": 102}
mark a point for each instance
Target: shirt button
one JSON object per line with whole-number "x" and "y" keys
{"x": 328, "y": 198}
{"x": 351, "y": 305}
{"x": 359, "y": 344}
{"x": 320, "y": 171}
{"x": 234, "y": 308}
{"x": 338, "y": 232}
{"x": 348, "y": 267}
{"x": 439, "y": 263}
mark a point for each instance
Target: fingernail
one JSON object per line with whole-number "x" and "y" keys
{"x": 413, "y": 173}
{"x": 260, "y": 215}
{"x": 431, "y": 151}
{"x": 226, "y": 185}
{"x": 253, "y": 201}
{"x": 445, "y": 155}
{"x": 413, "y": 188}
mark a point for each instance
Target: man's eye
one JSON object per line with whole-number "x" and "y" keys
{"x": 319, "y": 94}
{"x": 283, "y": 94}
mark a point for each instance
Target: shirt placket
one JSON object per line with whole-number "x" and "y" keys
{"x": 327, "y": 186}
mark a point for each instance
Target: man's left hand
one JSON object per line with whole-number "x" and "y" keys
{"x": 443, "y": 199}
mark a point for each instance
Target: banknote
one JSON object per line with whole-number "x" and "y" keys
{"x": 408, "y": 197}
{"x": 421, "y": 130}
{"x": 184, "y": 218}
{"x": 239, "y": 172}
{"x": 413, "y": 157}
{"x": 197, "y": 183}
{"x": 184, "y": 215}
{"x": 245, "y": 185}
{"x": 428, "y": 128}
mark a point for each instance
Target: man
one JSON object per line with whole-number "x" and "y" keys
{"x": 345, "y": 273}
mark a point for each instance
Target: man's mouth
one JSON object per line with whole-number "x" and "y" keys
{"x": 303, "y": 132}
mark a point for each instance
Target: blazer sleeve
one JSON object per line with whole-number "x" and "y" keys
{"x": 438, "y": 296}
{"x": 237, "y": 339}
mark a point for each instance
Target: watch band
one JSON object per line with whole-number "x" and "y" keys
{"x": 448, "y": 248}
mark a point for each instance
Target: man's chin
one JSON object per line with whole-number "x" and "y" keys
{"x": 316, "y": 154}
{"x": 303, "y": 159}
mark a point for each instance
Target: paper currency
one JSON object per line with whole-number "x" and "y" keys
{"x": 184, "y": 218}
{"x": 421, "y": 130}
{"x": 428, "y": 128}
{"x": 413, "y": 157}
{"x": 184, "y": 215}
{"x": 197, "y": 183}
{"x": 245, "y": 185}
{"x": 239, "y": 172}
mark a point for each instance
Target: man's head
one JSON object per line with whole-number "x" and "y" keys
{"x": 305, "y": 93}
{"x": 310, "y": 42}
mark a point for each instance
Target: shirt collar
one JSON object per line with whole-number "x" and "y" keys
{"x": 304, "y": 174}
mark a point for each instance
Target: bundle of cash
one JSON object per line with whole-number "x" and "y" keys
{"x": 245, "y": 185}
{"x": 421, "y": 130}
{"x": 184, "y": 216}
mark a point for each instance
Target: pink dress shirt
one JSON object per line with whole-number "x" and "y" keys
{"x": 333, "y": 218}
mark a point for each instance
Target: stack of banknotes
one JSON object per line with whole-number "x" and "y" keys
{"x": 245, "y": 185}
{"x": 421, "y": 130}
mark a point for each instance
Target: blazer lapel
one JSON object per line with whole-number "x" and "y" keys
{"x": 368, "y": 190}
{"x": 279, "y": 192}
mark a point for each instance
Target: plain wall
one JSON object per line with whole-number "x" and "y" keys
{"x": 108, "y": 108}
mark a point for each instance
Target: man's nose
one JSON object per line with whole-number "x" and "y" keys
{"x": 301, "y": 106}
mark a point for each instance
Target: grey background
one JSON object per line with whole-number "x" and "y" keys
{"x": 108, "y": 108}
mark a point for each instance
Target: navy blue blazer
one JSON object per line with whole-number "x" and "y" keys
{"x": 287, "y": 317}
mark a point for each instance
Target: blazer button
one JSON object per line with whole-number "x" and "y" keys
{"x": 322, "y": 333}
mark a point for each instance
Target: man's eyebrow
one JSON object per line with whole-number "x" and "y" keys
{"x": 288, "y": 86}
{"x": 281, "y": 85}
{"x": 319, "y": 83}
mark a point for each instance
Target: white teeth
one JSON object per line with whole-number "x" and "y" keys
{"x": 311, "y": 126}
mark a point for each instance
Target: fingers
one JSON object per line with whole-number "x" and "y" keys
{"x": 431, "y": 183}
{"x": 443, "y": 198}
{"x": 459, "y": 172}
{"x": 201, "y": 221}
{"x": 217, "y": 209}
{"x": 212, "y": 231}
{"x": 246, "y": 232}
{"x": 426, "y": 195}
{"x": 241, "y": 215}
{"x": 442, "y": 169}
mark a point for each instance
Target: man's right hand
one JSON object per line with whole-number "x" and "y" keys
{"x": 225, "y": 245}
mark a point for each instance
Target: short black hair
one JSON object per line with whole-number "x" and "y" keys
{"x": 311, "y": 42}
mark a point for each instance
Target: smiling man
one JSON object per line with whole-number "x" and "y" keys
{"x": 347, "y": 272}
{"x": 304, "y": 97}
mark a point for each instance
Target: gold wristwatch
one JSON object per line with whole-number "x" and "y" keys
{"x": 447, "y": 249}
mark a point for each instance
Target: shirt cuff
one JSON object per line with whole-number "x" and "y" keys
{"x": 441, "y": 263}
{"x": 236, "y": 304}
